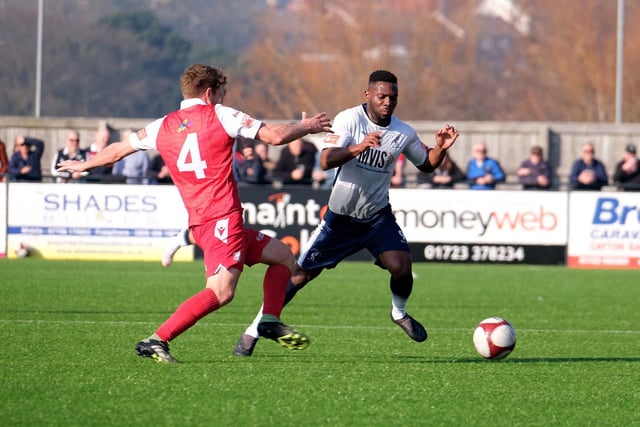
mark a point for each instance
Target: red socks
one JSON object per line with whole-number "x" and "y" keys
{"x": 274, "y": 287}
{"x": 188, "y": 313}
{"x": 204, "y": 302}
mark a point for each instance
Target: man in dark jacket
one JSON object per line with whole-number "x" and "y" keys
{"x": 25, "y": 161}
{"x": 627, "y": 173}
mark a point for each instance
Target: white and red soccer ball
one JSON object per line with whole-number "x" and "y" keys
{"x": 23, "y": 250}
{"x": 494, "y": 338}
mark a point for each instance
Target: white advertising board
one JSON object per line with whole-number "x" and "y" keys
{"x": 483, "y": 226}
{"x": 3, "y": 219}
{"x": 95, "y": 221}
{"x": 604, "y": 230}
{"x": 475, "y": 216}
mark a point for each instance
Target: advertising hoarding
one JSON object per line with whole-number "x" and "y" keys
{"x": 95, "y": 221}
{"x": 131, "y": 222}
{"x": 440, "y": 225}
{"x": 523, "y": 227}
{"x": 604, "y": 230}
{"x": 289, "y": 214}
{"x": 3, "y": 220}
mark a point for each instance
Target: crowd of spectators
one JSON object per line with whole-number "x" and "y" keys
{"x": 298, "y": 164}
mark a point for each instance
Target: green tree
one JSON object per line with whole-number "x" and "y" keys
{"x": 126, "y": 65}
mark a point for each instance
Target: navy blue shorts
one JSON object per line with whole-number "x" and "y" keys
{"x": 339, "y": 236}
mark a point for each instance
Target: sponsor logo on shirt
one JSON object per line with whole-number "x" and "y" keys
{"x": 396, "y": 142}
{"x": 142, "y": 133}
{"x": 247, "y": 121}
{"x": 375, "y": 159}
{"x": 186, "y": 123}
{"x": 331, "y": 138}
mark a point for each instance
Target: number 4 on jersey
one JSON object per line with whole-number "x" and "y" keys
{"x": 191, "y": 150}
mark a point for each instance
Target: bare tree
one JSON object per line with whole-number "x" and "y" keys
{"x": 319, "y": 58}
{"x": 571, "y": 61}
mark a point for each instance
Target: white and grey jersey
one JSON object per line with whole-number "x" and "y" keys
{"x": 361, "y": 186}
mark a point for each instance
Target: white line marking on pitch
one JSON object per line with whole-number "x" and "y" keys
{"x": 117, "y": 322}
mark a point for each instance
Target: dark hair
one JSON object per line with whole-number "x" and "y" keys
{"x": 245, "y": 142}
{"x": 197, "y": 78}
{"x": 383, "y": 76}
{"x": 536, "y": 149}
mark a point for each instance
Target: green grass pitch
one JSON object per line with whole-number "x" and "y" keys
{"x": 69, "y": 329}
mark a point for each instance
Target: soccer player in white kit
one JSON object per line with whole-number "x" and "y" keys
{"x": 365, "y": 146}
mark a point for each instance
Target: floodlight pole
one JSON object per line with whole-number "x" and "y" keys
{"x": 39, "y": 60}
{"x": 619, "y": 61}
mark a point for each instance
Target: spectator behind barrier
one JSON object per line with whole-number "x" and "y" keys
{"x": 535, "y": 173}
{"x": 4, "y": 160}
{"x": 71, "y": 151}
{"x": 627, "y": 172}
{"x": 134, "y": 167}
{"x": 25, "y": 161}
{"x": 296, "y": 163}
{"x": 102, "y": 174}
{"x": 159, "y": 172}
{"x": 444, "y": 176}
{"x": 248, "y": 164}
{"x": 269, "y": 165}
{"x": 322, "y": 179}
{"x": 588, "y": 173}
{"x": 483, "y": 172}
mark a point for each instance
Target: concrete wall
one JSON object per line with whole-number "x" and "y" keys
{"x": 509, "y": 142}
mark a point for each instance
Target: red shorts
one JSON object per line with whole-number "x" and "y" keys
{"x": 227, "y": 243}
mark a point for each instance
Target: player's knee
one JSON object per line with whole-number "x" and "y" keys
{"x": 280, "y": 253}
{"x": 225, "y": 296}
{"x": 398, "y": 268}
{"x": 398, "y": 263}
{"x": 223, "y": 286}
{"x": 288, "y": 260}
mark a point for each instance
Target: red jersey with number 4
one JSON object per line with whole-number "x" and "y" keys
{"x": 196, "y": 143}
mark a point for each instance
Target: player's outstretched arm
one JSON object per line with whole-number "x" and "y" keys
{"x": 285, "y": 133}
{"x": 445, "y": 138}
{"x": 111, "y": 154}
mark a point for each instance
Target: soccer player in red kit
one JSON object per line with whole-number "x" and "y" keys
{"x": 196, "y": 143}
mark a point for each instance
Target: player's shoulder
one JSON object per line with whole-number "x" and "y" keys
{"x": 402, "y": 127}
{"x": 352, "y": 113}
{"x": 399, "y": 123}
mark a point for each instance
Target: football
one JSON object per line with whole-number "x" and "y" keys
{"x": 494, "y": 338}
{"x": 22, "y": 251}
